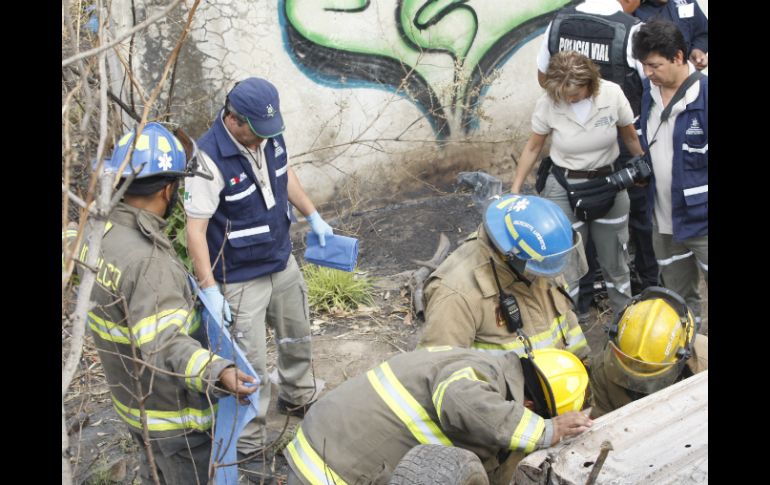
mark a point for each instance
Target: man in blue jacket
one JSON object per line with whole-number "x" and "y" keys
{"x": 238, "y": 238}
{"x": 678, "y": 149}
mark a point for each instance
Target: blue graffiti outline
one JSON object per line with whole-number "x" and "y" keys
{"x": 331, "y": 82}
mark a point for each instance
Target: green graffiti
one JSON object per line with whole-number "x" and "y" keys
{"x": 442, "y": 41}
{"x": 346, "y": 5}
{"x": 443, "y": 25}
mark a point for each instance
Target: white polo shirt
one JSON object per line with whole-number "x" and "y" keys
{"x": 588, "y": 143}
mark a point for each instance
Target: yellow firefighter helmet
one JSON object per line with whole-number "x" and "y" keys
{"x": 563, "y": 379}
{"x": 650, "y": 341}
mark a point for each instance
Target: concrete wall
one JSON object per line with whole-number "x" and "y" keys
{"x": 379, "y": 96}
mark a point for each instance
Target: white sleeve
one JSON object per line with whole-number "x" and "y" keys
{"x": 544, "y": 56}
{"x": 201, "y": 196}
{"x": 540, "y": 115}
{"x": 633, "y": 63}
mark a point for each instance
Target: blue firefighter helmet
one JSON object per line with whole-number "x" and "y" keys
{"x": 531, "y": 229}
{"x": 157, "y": 148}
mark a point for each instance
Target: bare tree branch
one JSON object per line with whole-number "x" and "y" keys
{"x": 96, "y": 50}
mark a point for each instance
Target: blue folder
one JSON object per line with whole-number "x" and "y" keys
{"x": 341, "y": 252}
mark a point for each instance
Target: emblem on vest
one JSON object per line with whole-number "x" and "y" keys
{"x": 278, "y": 148}
{"x": 236, "y": 180}
{"x": 270, "y": 110}
{"x": 694, "y": 128}
{"x": 593, "y": 50}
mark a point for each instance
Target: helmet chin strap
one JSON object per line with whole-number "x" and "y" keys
{"x": 518, "y": 266}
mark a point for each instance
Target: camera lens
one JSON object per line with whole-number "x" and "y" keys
{"x": 623, "y": 179}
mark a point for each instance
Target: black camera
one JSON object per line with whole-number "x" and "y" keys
{"x": 636, "y": 170}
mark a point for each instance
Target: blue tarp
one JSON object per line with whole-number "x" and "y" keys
{"x": 232, "y": 416}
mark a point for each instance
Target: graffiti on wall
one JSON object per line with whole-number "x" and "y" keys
{"x": 438, "y": 53}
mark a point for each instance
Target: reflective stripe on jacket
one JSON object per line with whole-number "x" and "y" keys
{"x": 143, "y": 306}
{"x": 462, "y": 306}
{"x": 359, "y": 432}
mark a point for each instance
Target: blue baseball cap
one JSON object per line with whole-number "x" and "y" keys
{"x": 257, "y": 100}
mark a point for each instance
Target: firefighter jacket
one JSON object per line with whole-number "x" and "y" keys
{"x": 463, "y": 307}
{"x": 359, "y": 432}
{"x": 607, "y": 396}
{"x": 143, "y": 307}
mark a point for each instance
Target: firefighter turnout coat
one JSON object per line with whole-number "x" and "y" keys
{"x": 358, "y": 432}
{"x": 463, "y": 307}
{"x": 141, "y": 321}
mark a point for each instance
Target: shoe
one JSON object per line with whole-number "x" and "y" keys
{"x": 256, "y": 468}
{"x": 298, "y": 410}
{"x": 584, "y": 318}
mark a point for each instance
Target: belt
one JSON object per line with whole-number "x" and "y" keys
{"x": 588, "y": 174}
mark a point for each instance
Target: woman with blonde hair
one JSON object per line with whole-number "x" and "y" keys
{"x": 584, "y": 113}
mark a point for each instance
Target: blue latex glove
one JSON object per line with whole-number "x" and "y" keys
{"x": 217, "y": 300}
{"x": 320, "y": 227}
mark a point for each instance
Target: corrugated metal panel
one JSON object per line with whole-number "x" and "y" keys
{"x": 660, "y": 439}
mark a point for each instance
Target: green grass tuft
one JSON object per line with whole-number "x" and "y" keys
{"x": 330, "y": 289}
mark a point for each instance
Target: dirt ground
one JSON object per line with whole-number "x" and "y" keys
{"x": 390, "y": 237}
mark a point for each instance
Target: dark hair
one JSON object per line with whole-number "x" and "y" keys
{"x": 661, "y": 37}
{"x": 148, "y": 185}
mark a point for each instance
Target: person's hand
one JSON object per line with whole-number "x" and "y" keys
{"x": 700, "y": 59}
{"x": 238, "y": 383}
{"x": 218, "y": 303}
{"x": 320, "y": 227}
{"x": 569, "y": 424}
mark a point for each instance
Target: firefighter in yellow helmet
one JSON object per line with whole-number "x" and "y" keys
{"x": 652, "y": 344}
{"x": 497, "y": 407}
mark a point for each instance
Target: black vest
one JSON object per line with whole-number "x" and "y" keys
{"x": 604, "y": 40}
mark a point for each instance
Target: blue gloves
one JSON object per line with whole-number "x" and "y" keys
{"x": 217, "y": 300}
{"x": 320, "y": 227}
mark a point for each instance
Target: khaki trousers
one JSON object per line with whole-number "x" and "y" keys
{"x": 679, "y": 263}
{"x": 279, "y": 300}
{"x": 610, "y": 236}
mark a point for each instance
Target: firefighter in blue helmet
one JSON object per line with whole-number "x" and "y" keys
{"x": 144, "y": 313}
{"x": 505, "y": 284}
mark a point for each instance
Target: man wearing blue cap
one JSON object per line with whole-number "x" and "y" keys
{"x": 238, "y": 238}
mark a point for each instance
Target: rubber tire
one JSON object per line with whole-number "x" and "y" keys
{"x": 439, "y": 465}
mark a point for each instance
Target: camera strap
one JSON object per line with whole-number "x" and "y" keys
{"x": 678, "y": 95}
{"x": 509, "y": 307}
